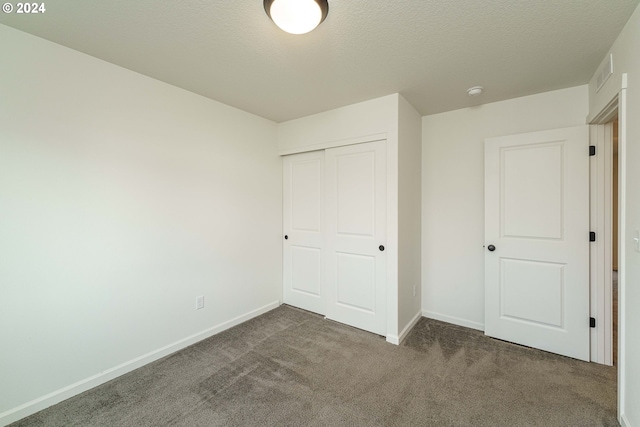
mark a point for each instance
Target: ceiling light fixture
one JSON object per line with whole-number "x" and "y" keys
{"x": 297, "y": 16}
{"x": 475, "y": 91}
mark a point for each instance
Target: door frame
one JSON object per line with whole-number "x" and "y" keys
{"x": 619, "y": 105}
{"x": 600, "y": 251}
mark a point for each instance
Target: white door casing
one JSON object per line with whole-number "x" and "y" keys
{"x": 355, "y": 235}
{"x": 303, "y": 224}
{"x": 537, "y": 218}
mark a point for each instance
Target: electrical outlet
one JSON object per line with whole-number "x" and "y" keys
{"x": 199, "y": 302}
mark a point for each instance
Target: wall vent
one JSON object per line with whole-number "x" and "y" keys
{"x": 605, "y": 73}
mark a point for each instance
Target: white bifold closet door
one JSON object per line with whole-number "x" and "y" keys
{"x": 334, "y": 254}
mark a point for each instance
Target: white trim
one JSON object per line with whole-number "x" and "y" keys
{"x": 622, "y": 243}
{"x": 333, "y": 144}
{"x": 64, "y": 393}
{"x": 624, "y": 421}
{"x": 394, "y": 339}
{"x": 607, "y": 114}
{"x": 454, "y": 320}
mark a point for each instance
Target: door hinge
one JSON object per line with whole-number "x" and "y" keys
{"x": 592, "y": 150}
{"x": 592, "y": 236}
{"x": 592, "y": 322}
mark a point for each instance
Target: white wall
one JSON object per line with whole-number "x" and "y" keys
{"x": 453, "y": 193}
{"x": 409, "y": 215}
{"x": 121, "y": 199}
{"x": 626, "y": 59}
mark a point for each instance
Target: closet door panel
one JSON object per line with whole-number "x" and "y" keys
{"x": 355, "y": 218}
{"x": 303, "y": 227}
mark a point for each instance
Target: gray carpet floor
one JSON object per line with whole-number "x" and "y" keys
{"x": 289, "y": 367}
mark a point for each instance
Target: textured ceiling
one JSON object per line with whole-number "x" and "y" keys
{"x": 430, "y": 51}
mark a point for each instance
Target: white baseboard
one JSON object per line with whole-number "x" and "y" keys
{"x": 395, "y": 339}
{"x": 624, "y": 421}
{"x": 455, "y": 320}
{"x": 81, "y": 386}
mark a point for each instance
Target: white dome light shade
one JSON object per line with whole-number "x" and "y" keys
{"x": 297, "y": 16}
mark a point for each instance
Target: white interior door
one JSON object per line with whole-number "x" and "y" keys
{"x": 303, "y": 212}
{"x": 537, "y": 240}
{"x": 356, "y": 233}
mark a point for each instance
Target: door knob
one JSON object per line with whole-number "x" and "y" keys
{"x": 381, "y": 248}
{"x": 286, "y": 237}
{"x": 491, "y": 248}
